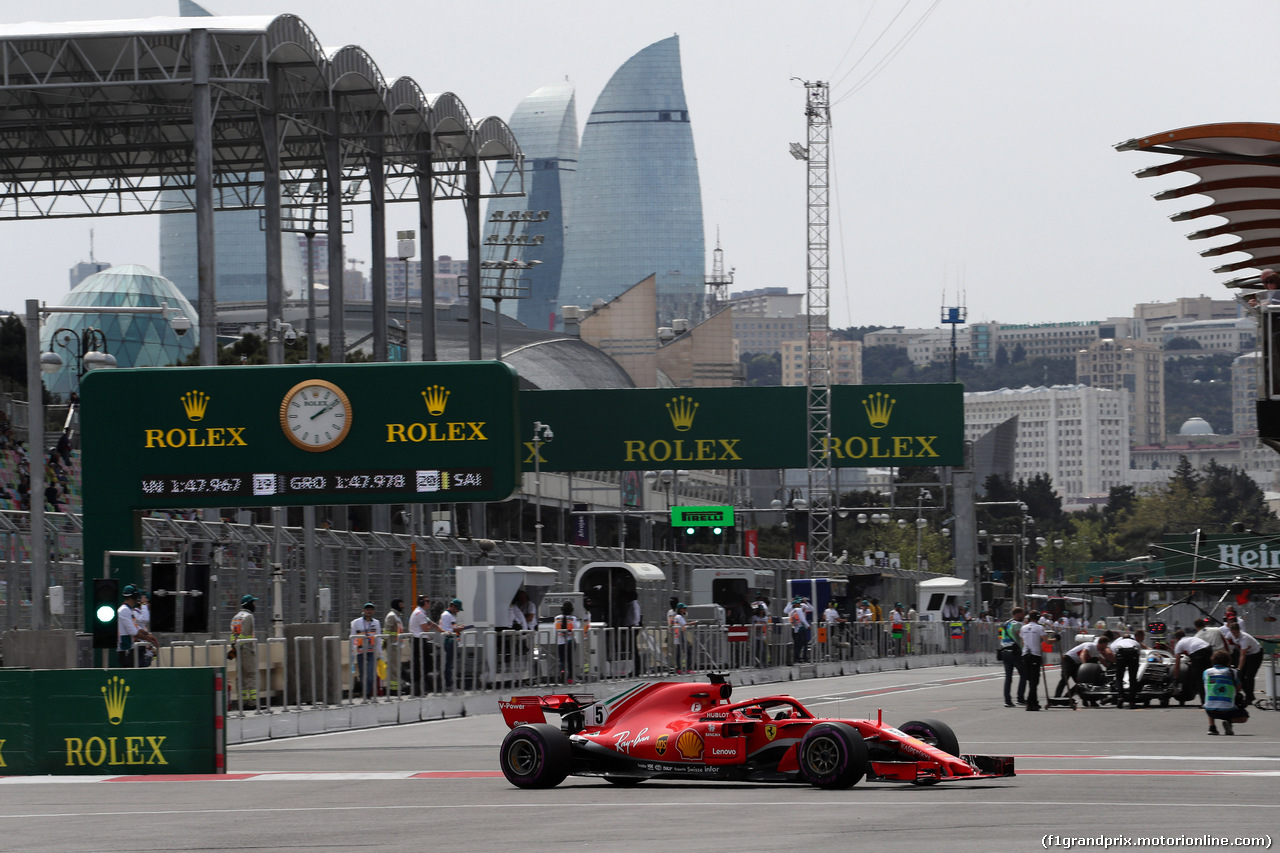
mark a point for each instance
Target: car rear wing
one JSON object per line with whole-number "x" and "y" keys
{"x": 524, "y": 710}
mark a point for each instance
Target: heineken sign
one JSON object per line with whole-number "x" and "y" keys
{"x": 702, "y": 516}
{"x": 644, "y": 428}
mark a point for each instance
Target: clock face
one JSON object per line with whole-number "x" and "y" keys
{"x": 315, "y": 415}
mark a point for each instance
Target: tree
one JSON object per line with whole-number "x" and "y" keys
{"x": 886, "y": 365}
{"x": 1002, "y": 356}
{"x": 1182, "y": 343}
{"x": 1043, "y": 504}
{"x": 13, "y": 354}
{"x": 1234, "y": 496}
{"x": 1185, "y": 476}
{"x": 763, "y": 368}
{"x": 252, "y": 349}
{"x": 1019, "y": 354}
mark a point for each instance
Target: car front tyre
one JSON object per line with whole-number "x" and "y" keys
{"x": 933, "y": 732}
{"x": 833, "y": 755}
{"x": 535, "y": 756}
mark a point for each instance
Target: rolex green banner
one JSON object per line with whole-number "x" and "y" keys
{"x": 300, "y": 434}
{"x": 646, "y": 428}
{"x": 111, "y": 722}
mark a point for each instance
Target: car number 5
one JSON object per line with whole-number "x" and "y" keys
{"x": 597, "y": 714}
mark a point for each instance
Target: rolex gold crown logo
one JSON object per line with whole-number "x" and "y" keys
{"x": 194, "y": 403}
{"x": 879, "y": 408}
{"x": 682, "y": 410}
{"x": 116, "y": 693}
{"x": 436, "y": 397}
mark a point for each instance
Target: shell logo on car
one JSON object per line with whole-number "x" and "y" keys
{"x": 689, "y": 745}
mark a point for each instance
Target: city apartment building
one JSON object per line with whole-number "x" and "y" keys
{"x": 1078, "y": 435}
{"x": 1233, "y": 334}
{"x": 1152, "y": 316}
{"x": 1042, "y": 340}
{"x": 846, "y": 362}
{"x": 1133, "y": 366}
{"x": 923, "y": 346}
{"x": 1245, "y": 379}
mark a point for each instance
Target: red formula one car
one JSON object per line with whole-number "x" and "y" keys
{"x": 682, "y": 729}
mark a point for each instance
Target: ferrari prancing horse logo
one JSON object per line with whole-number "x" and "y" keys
{"x": 770, "y": 731}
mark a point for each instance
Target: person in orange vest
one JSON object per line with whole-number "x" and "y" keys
{"x": 364, "y": 646}
{"x": 244, "y": 649}
{"x": 566, "y": 642}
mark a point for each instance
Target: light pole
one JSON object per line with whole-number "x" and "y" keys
{"x": 921, "y": 523}
{"x": 668, "y": 480}
{"x": 35, "y": 428}
{"x": 88, "y": 348}
{"x": 875, "y": 519}
{"x": 406, "y": 249}
{"x": 541, "y": 433}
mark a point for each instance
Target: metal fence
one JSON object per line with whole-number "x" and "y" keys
{"x": 296, "y": 673}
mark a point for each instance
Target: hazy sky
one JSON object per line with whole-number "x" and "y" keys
{"x": 971, "y": 141}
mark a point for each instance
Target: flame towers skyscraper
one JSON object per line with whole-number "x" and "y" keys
{"x": 636, "y": 201}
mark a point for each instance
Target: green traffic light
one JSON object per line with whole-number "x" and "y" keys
{"x": 105, "y": 613}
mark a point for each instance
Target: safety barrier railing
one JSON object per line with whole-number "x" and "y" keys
{"x": 306, "y": 672}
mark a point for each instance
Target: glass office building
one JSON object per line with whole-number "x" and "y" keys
{"x": 134, "y": 340}
{"x": 240, "y": 255}
{"x": 637, "y": 204}
{"x": 546, "y": 125}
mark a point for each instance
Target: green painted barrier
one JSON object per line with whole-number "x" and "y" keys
{"x": 112, "y": 722}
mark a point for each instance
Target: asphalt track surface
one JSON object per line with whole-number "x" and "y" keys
{"x": 1119, "y": 773}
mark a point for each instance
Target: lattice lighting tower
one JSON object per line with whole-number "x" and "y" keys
{"x": 719, "y": 282}
{"x": 818, "y": 372}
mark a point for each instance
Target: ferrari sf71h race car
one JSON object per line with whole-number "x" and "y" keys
{"x": 690, "y": 730}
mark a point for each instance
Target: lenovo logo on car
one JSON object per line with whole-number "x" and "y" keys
{"x": 724, "y": 752}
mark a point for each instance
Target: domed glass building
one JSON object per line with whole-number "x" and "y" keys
{"x": 134, "y": 340}
{"x": 1196, "y": 426}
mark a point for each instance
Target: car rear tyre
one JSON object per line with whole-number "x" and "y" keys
{"x": 933, "y": 732}
{"x": 833, "y": 755}
{"x": 535, "y": 756}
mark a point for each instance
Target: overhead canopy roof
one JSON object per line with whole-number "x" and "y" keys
{"x": 1237, "y": 166}
{"x": 96, "y": 117}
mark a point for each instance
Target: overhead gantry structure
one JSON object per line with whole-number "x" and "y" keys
{"x": 1237, "y": 167}
{"x": 167, "y": 115}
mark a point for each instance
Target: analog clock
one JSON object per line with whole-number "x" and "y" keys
{"x": 315, "y": 415}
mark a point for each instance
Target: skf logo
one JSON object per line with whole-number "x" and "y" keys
{"x": 194, "y": 403}
{"x": 689, "y": 744}
{"x": 879, "y": 408}
{"x": 770, "y": 732}
{"x": 115, "y": 694}
{"x": 682, "y": 410}
{"x": 660, "y": 745}
{"x": 436, "y": 397}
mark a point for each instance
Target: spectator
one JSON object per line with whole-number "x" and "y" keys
{"x": 1011, "y": 655}
{"x": 566, "y": 641}
{"x": 799, "y": 631}
{"x": 393, "y": 625}
{"x": 1220, "y": 688}
{"x": 244, "y": 650}
{"x": 451, "y": 626}
{"x": 759, "y": 633}
{"x": 63, "y": 448}
{"x": 1032, "y": 635}
{"x": 632, "y": 620}
{"x": 421, "y": 627}
{"x": 128, "y": 632}
{"x": 364, "y": 647}
{"x": 521, "y": 613}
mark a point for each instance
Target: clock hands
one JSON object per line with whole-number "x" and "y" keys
{"x": 325, "y": 409}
